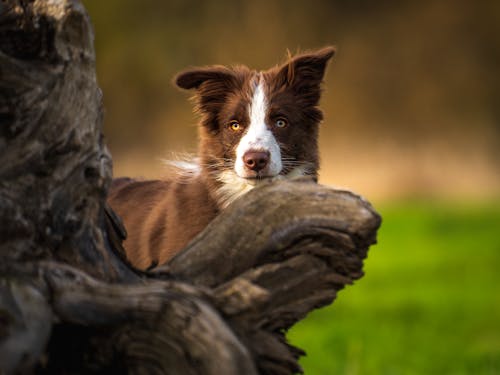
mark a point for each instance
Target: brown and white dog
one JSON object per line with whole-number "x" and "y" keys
{"x": 255, "y": 126}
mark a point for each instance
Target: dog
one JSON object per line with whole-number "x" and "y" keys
{"x": 255, "y": 126}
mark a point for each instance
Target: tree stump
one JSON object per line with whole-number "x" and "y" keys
{"x": 69, "y": 301}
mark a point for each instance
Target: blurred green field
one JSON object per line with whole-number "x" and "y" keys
{"x": 429, "y": 302}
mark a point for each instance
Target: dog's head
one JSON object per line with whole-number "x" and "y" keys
{"x": 258, "y": 125}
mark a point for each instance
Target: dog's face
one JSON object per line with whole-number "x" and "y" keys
{"x": 258, "y": 125}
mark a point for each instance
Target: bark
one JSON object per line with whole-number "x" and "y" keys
{"x": 70, "y": 303}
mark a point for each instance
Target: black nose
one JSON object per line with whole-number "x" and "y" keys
{"x": 256, "y": 160}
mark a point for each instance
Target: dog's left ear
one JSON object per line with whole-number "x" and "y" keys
{"x": 307, "y": 69}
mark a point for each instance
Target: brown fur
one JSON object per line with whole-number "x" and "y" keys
{"x": 161, "y": 217}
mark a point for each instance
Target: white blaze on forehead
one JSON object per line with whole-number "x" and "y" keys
{"x": 258, "y": 109}
{"x": 258, "y": 137}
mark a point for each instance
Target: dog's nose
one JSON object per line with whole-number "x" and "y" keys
{"x": 256, "y": 160}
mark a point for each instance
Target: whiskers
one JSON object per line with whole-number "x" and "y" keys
{"x": 215, "y": 165}
{"x": 186, "y": 167}
{"x": 296, "y": 168}
{"x": 233, "y": 186}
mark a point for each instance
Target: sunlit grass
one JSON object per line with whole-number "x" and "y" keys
{"x": 428, "y": 304}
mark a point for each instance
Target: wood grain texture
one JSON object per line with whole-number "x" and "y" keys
{"x": 285, "y": 249}
{"x": 70, "y": 303}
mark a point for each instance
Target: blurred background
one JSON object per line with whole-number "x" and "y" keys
{"x": 412, "y": 122}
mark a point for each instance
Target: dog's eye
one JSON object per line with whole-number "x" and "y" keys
{"x": 235, "y": 125}
{"x": 281, "y": 123}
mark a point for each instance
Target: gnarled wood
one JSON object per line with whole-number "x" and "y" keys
{"x": 69, "y": 302}
{"x": 284, "y": 250}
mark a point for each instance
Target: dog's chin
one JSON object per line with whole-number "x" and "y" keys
{"x": 233, "y": 185}
{"x": 256, "y": 178}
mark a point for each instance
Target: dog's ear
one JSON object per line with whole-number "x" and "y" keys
{"x": 302, "y": 76}
{"x": 194, "y": 78}
{"x": 212, "y": 84}
{"x": 306, "y": 69}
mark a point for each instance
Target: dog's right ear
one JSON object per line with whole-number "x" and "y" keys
{"x": 194, "y": 78}
{"x": 212, "y": 85}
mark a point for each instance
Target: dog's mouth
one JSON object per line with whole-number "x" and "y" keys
{"x": 254, "y": 181}
{"x": 258, "y": 176}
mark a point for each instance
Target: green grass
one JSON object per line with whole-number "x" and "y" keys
{"x": 429, "y": 302}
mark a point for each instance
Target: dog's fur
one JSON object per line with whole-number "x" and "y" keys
{"x": 255, "y": 126}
